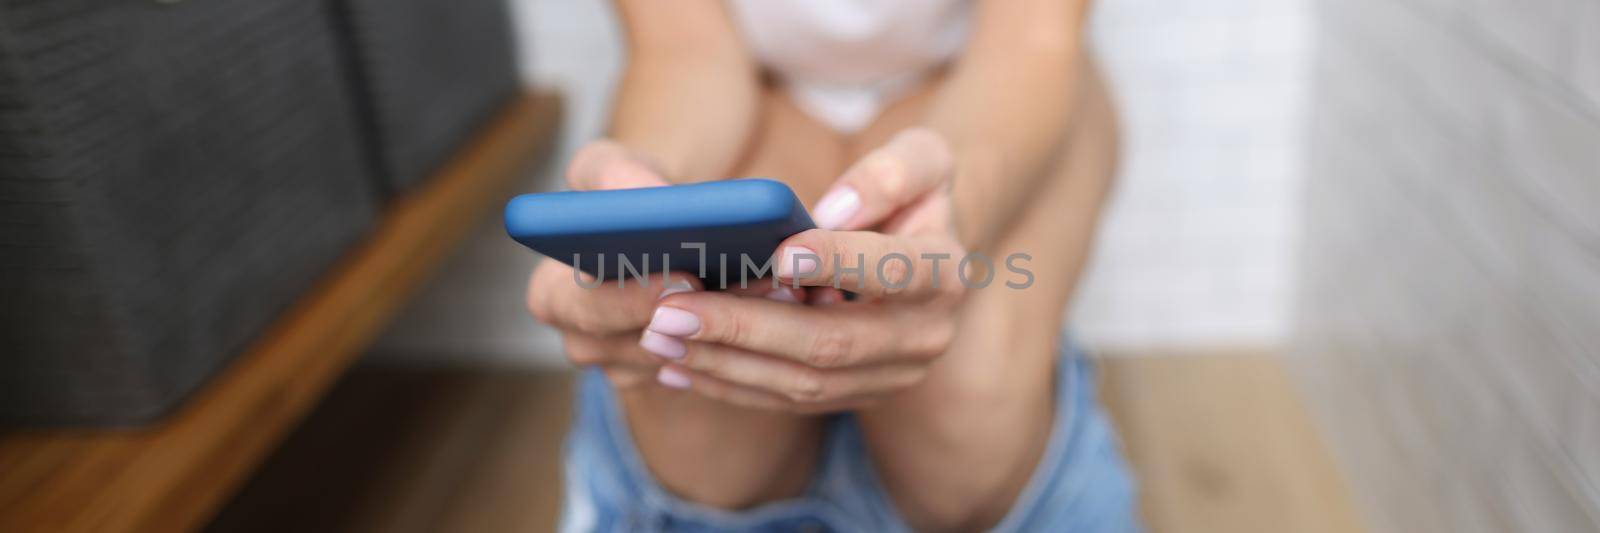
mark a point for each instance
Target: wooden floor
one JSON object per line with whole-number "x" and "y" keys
{"x": 408, "y": 450}
{"x": 1220, "y": 444}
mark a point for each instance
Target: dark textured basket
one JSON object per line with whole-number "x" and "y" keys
{"x": 430, "y": 74}
{"x": 172, "y": 177}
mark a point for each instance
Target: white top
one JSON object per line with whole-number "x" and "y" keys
{"x": 843, "y": 60}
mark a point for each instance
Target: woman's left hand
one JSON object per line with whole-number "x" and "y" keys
{"x": 834, "y": 354}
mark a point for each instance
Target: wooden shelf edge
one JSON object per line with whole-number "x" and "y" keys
{"x": 173, "y": 475}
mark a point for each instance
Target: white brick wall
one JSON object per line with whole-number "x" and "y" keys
{"x": 1197, "y": 242}
{"x": 1451, "y": 289}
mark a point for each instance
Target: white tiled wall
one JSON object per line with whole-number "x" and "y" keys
{"x": 1196, "y": 246}
{"x": 1451, "y": 282}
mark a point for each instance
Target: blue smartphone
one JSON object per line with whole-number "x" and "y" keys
{"x": 714, "y": 230}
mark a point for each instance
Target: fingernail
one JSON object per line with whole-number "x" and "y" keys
{"x": 782, "y": 295}
{"x": 662, "y": 345}
{"x": 836, "y": 207}
{"x": 797, "y": 261}
{"x": 672, "y": 378}
{"x": 674, "y": 289}
{"x": 674, "y": 322}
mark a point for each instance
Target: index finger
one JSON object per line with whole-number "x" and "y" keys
{"x": 556, "y": 297}
{"x": 871, "y": 264}
{"x": 817, "y": 337}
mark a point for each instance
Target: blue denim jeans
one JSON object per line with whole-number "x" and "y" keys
{"x": 1080, "y": 484}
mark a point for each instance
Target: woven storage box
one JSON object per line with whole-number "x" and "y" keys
{"x": 172, "y": 177}
{"x": 430, "y": 73}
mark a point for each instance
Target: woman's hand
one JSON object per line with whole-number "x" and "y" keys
{"x": 602, "y": 325}
{"x": 834, "y": 354}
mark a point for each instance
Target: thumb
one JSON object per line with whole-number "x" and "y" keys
{"x": 893, "y": 176}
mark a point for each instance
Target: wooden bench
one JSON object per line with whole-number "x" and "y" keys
{"x": 172, "y": 476}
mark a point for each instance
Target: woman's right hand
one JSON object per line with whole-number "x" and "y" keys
{"x": 604, "y": 325}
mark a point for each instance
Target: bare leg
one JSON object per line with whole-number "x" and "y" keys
{"x": 722, "y": 455}
{"x": 956, "y": 450}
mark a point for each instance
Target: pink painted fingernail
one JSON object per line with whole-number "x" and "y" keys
{"x": 836, "y": 207}
{"x": 672, "y": 378}
{"x": 797, "y": 261}
{"x": 674, "y": 289}
{"x": 675, "y": 322}
{"x": 783, "y": 295}
{"x": 662, "y": 345}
